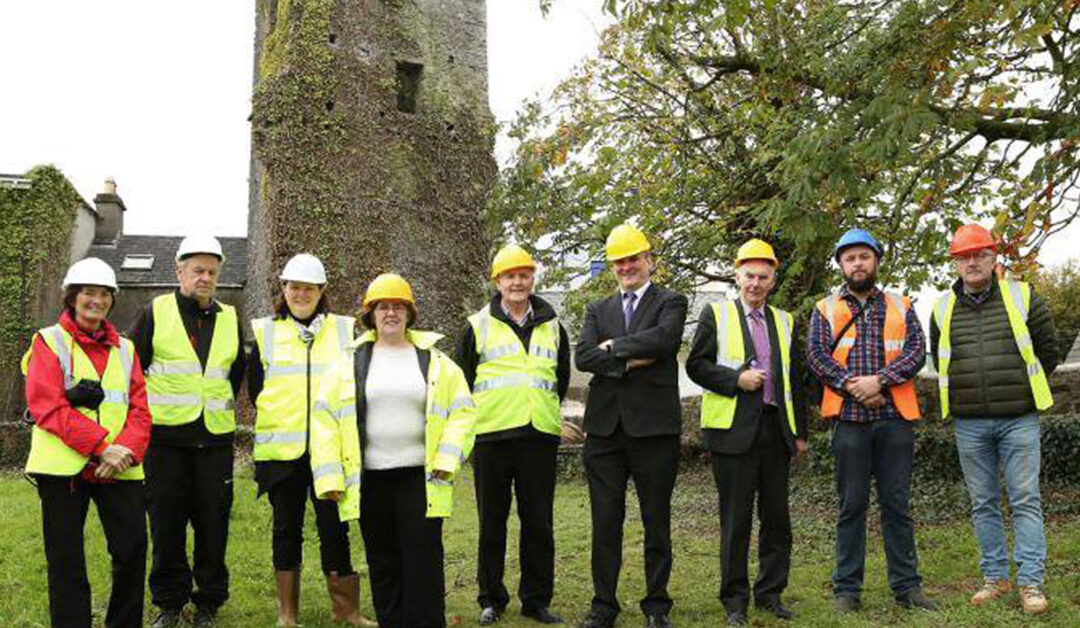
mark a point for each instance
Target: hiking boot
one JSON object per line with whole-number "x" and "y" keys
{"x": 915, "y": 598}
{"x": 991, "y": 590}
{"x": 167, "y": 618}
{"x": 1033, "y": 599}
{"x": 847, "y": 604}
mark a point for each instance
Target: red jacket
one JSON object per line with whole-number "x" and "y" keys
{"x": 50, "y": 408}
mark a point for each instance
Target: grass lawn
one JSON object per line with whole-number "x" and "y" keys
{"x": 947, "y": 552}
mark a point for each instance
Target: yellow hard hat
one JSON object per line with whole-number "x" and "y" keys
{"x": 388, "y": 286}
{"x": 624, "y": 241}
{"x": 509, "y": 257}
{"x": 756, "y": 249}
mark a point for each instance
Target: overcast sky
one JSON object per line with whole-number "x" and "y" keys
{"x": 157, "y": 95}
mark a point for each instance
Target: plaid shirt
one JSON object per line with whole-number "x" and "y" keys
{"x": 867, "y": 357}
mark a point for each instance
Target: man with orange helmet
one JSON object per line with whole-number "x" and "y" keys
{"x": 992, "y": 342}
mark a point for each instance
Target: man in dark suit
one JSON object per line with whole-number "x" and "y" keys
{"x": 629, "y": 342}
{"x": 753, "y": 419}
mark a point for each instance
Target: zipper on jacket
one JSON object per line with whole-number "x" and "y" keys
{"x": 307, "y": 400}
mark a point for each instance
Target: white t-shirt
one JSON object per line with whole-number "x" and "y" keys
{"x": 396, "y": 396}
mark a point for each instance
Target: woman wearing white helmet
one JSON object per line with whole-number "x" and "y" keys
{"x": 86, "y": 395}
{"x": 293, "y": 349}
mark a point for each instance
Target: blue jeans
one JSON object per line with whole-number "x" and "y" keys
{"x": 984, "y": 445}
{"x": 881, "y": 449}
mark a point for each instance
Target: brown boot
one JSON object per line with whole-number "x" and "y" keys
{"x": 288, "y": 597}
{"x": 345, "y": 599}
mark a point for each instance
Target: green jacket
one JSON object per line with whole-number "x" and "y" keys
{"x": 987, "y": 375}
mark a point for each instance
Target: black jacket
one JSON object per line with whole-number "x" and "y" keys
{"x": 467, "y": 358}
{"x": 987, "y": 376}
{"x": 644, "y": 401}
{"x": 199, "y": 324}
{"x": 702, "y": 368}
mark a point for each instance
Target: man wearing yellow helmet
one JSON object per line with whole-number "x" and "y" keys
{"x": 753, "y": 420}
{"x": 516, "y": 358}
{"x": 629, "y": 342}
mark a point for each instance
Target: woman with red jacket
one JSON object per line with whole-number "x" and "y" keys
{"x": 86, "y": 394}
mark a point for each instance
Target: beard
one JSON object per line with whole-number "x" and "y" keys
{"x": 861, "y": 285}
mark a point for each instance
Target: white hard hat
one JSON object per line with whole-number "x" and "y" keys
{"x": 90, "y": 272}
{"x": 304, "y": 267}
{"x": 196, "y": 244}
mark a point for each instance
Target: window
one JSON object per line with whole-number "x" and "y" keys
{"x": 409, "y": 76}
{"x": 137, "y": 262}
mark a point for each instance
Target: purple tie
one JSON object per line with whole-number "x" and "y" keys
{"x": 628, "y": 307}
{"x": 763, "y": 351}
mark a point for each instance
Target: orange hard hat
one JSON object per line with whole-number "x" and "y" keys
{"x": 970, "y": 238}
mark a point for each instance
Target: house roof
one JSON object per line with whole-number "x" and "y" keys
{"x": 1074, "y": 355}
{"x": 161, "y": 271}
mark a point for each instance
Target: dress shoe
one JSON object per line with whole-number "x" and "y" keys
{"x": 659, "y": 620}
{"x": 847, "y": 604}
{"x": 205, "y": 616}
{"x": 776, "y": 607}
{"x": 915, "y": 598}
{"x": 167, "y": 618}
{"x": 596, "y": 620}
{"x": 542, "y": 614}
{"x": 736, "y": 618}
{"x": 488, "y": 616}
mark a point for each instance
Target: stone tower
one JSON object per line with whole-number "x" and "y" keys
{"x": 372, "y": 148}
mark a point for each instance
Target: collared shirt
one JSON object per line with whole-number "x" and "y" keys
{"x": 975, "y": 299}
{"x": 640, "y": 292}
{"x": 519, "y": 321}
{"x": 867, "y": 356}
{"x": 762, "y": 363}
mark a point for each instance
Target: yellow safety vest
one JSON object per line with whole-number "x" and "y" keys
{"x": 1017, "y": 298}
{"x": 718, "y": 411}
{"x": 448, "y": 434}
{"x": 178, "y": 389}
{"x": 48, "y": 453}
{"x": 292, "y": 375}
{"x": 515, "y": 387}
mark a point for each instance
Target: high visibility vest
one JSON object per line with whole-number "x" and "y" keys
{"x": 49, "y": 455}
{"x": 292, "y": 374}
{"x": 718, "y": 411}
{"x": 1017, "y": 298}
{"x": 178, "y": 388}
{"x": 450, "y": 418}
{"x": 836, "y": 311}
{"x": 515, "y": 387}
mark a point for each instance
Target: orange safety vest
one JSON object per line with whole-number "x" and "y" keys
{"x": 836, "y": 311}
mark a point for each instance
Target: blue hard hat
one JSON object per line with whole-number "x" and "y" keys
{"x": 853, "y": 237}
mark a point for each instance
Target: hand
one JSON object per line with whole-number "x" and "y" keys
{"x": 751, "y": 379}
{"x": 118, "y": 457}
{"x": 801, "y": 447}
{"x": 863, "y": 388}
{"x": 335, "y": 496}
{"x": 637, "y": 363}
{"x": 875, "y": 402}
{"x": 439, "y": 474}
{"x": 606, "y": 345}
{"x": 105, "y": 471}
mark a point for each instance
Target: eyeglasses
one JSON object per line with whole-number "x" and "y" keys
{"x": 979, "y": 256}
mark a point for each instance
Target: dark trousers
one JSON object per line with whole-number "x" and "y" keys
{"x": 761, "y": 471}
{"x": 64, "y": 504}
{"x": 653, "y": 463}
{"x": 189, "y": 485}
{"x": 289, "y": 498}
{"x": 882, "y": 450}
{"x": 404, "y": 549}
{"x": 528, "y": 465}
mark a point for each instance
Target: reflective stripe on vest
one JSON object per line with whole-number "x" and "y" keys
{"x": 513, "y": 387}
{"x": 49, "y": 455}
{"x": 718, "y": 411}
{"x": 1016, "y": 296}
{"x": 178, "y": 388}
{"x": 836, "y": 312}
{"x": 282, "y": 409}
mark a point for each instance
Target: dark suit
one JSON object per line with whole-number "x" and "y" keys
{"x": 752, "y": 456}
{"x": 632, "y": 422}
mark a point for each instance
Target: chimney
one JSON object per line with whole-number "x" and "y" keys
{"x": 110, "y": 214}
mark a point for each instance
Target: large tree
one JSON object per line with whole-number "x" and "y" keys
{"x": 709, "y": 122}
